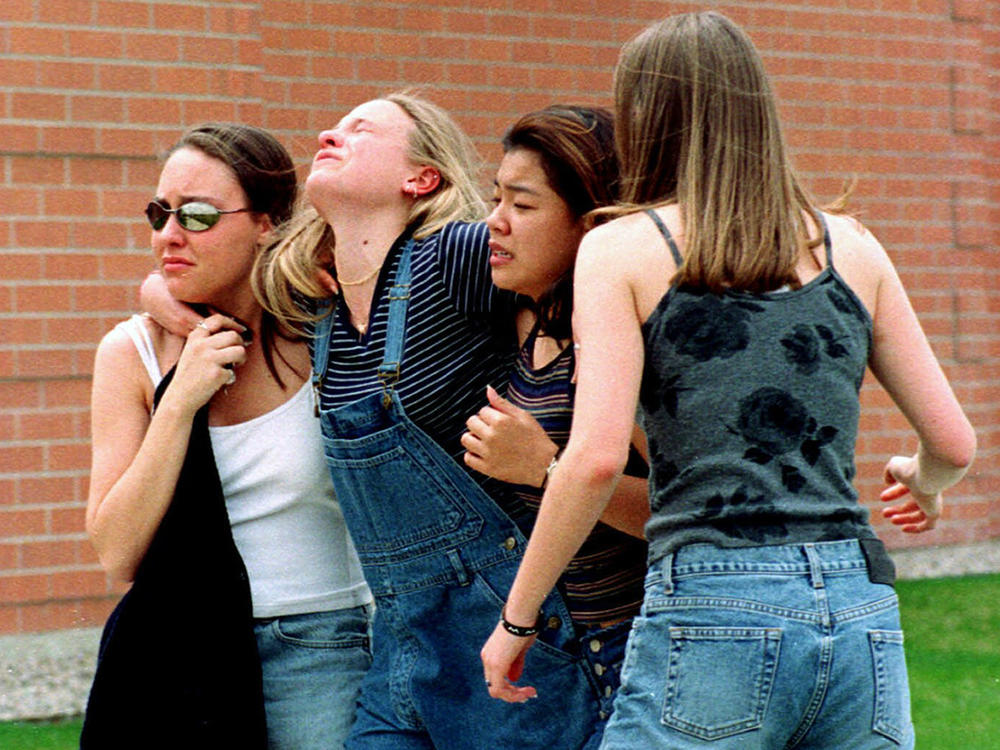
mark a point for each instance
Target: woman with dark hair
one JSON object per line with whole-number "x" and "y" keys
{"x": 208, "y": 489}
{"x": 741, "y": 317}
{"x": 558, "y": 165}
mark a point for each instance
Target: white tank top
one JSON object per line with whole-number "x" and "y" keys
{"x": 285, "y": 518}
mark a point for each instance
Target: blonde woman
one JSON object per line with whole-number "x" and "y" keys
{"x": 741, "y": 318}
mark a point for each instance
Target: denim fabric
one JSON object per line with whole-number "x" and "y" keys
{"x": 604, "y": 651}
{"x": 439, "y": 556}
{"x": 787, "y": 646}
{"x": 313, "y": 665}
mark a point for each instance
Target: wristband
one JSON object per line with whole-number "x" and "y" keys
{"x": 549, "y": 469}
{"x": 519, "y": 630}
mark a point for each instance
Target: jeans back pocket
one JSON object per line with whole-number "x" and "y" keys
{"x": 719, "y": 679}
{"x": 892, "y": 695}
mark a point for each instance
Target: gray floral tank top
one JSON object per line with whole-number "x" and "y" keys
{"x": 750, "y": 404}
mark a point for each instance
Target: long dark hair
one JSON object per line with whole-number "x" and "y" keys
{"x": 266, "y": 173}
{"x": 576, "y": 148}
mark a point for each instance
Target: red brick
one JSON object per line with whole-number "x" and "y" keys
{"x": 48, "y": 554}
{"x": 24, "y": 588}
{"x": 7, "y": 491}
{"x": 9, "y": 557}
{"x": 27, "y": 105}
{"x": 31, "y": 40}
{"x": 69, "y": 457}
{"x": 94, "y": 43}
{"x": 45, "y": 490}
{"x": 19, "y": 72}
{"x": 181, "y": 17}
{"x": 79, "y": 583}
{"x": 68, "y": 520}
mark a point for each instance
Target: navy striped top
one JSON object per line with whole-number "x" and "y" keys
{"x": 459, "y": 336}
{"x": 604, "y": 581}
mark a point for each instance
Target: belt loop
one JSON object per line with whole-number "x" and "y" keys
{"x": 462, "y": 574}
{"x": 667, "y": 568}
{"x": 815, "y": 567}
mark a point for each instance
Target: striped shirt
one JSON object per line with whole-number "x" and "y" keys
{"x": 459, "y": 336}
{"x": 604, "y": 582}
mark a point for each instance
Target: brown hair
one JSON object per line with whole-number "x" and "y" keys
{"x": 266, "y": 174}
{"x": 697, "y": 125}
{"x": 575, "y": 146}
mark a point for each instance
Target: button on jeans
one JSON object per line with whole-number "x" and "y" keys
{"x": 313, "y": 665}
{"x": 787, "y": 646}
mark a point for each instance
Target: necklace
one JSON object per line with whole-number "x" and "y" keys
{"x": 366, "y": 277}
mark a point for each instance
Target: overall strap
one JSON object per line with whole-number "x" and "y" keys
{"x": 321, "y": 349}
{"x": 666, "y": 235}
{"x": 395, "y": 335}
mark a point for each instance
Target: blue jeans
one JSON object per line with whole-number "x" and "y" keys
{"x": 313, "y": 665}
{"x": 787, "y": 646}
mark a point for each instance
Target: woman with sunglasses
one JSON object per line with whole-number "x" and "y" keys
{"x": 741, "y": 317}
{"x": 209, "y": 489}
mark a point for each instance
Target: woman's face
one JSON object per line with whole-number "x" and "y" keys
{"x": 212, "y": 266}
{"x": 363, "y": 158}
{"x": 533, "y": 234}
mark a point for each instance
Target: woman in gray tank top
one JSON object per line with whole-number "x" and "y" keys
{"x": 741, "y": 317}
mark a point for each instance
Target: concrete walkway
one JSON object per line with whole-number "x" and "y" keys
{"x": 48, "y": 675}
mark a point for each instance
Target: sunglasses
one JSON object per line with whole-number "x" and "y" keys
{"x": 196, "y": 216}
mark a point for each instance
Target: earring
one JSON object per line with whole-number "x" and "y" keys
{"x": 412, "y": 191}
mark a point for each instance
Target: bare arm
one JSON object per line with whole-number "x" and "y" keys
{"x": 904, "y": 363}
{"x": 137, "y": 459}
{"x": 155, "y": 299}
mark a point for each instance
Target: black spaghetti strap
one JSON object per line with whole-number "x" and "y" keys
{"x": 666, "y": 235}
{"x": 827, "y": 243}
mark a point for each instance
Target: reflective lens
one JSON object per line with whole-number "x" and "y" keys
{"x": 196, "y": 216}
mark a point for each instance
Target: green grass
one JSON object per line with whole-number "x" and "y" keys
{"x": 952, "y": 630}
{"x": 23, "y": 735}
{"x": 953, "y": 657}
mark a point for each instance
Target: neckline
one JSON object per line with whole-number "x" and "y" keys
{"x": 276, "y": 411}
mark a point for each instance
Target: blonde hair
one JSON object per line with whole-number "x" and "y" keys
{"x": 286, "y": 272}
{"x": 697, "y": 125}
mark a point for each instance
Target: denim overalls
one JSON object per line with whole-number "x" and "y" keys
{"x": 440, "y": 556}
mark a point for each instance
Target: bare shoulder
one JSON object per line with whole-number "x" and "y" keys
{"x": 118, "y": 362}
{"x": 627, "y": 241}
{"x": 860, "y": 259}
{"x": 854, "y": 244}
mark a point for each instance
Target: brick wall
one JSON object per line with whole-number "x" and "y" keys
{"x": 902, "y": 94}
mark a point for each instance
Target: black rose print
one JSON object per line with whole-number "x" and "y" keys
{"x": 751, "y": 517}
{"x": 802, "y": 349}
{"x": 775, "y": 423}
{"x": 772, "y": 420}
{"x": 705, "y": 327}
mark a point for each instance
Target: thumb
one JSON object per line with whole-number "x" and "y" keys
{"x": 326, "y": 280}
{"x": 894, "y": 468}
{"x": 499, "y": 403}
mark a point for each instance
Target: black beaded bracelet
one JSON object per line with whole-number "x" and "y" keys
{"x": 518, "y": 630}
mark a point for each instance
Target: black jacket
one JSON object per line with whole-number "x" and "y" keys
{"x": 178, "y": 665}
